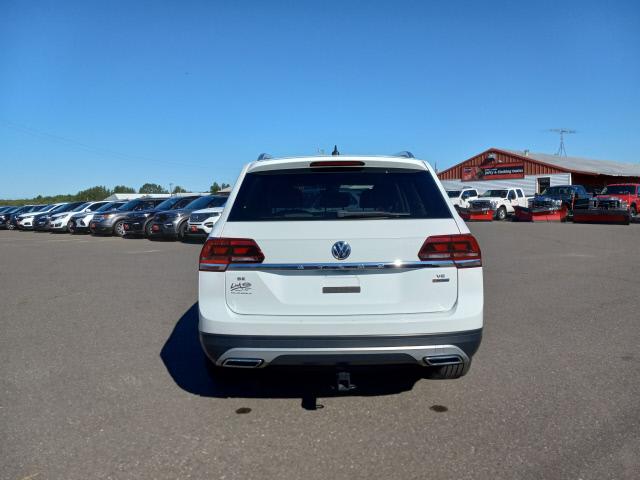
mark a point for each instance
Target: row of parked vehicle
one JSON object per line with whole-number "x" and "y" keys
{"x": 178, "y": 217}
{"x": 619, "y": 203}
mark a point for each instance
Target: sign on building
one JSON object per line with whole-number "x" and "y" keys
{"x": 492, "y": 171}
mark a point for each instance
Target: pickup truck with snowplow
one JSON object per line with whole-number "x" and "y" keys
{"x": 571, "y": 196}
{"x": 555, "y": 203}
{"x": 617, "y": 203}
{"x": 495, "y": 203}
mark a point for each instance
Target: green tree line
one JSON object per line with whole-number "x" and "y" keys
{"x": 100, "y": 192}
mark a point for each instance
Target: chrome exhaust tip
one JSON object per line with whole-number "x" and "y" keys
{"x": 441, "y": 360}
{"x": 243, "y": 362}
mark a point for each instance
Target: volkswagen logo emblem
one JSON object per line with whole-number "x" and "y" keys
{"x": 341, "y": 250}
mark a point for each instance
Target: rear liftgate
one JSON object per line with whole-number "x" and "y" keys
{"x": 242, "y": 261}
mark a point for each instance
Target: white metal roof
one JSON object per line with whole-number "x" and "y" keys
{"x": 586, "y": 165}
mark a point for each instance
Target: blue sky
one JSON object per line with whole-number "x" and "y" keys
{"x": 112, "y": 92}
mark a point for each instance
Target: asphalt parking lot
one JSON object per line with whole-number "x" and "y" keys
{"x": 102, "y": 375}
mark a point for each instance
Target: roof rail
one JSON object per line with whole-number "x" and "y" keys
{"x": 404, "y": 154}
{"x": 264, "y": 156}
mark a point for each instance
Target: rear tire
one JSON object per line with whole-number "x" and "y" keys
{"x": 501, "y": 214}
{"x": 449, "y": 372}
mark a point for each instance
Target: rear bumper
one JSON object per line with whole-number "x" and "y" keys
{"x": 422, "y": 350}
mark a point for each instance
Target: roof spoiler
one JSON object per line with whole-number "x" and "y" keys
{"x": 403, "y": 154}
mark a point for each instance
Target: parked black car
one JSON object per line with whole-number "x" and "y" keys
{"x": 5, "y": 216}
{"x": 139, "y": 223}
{"x": 112, "y": 221}
{"x": 173, "y": 224}
{"x": 79, "y": 222}
{"x": 573, "y": 196}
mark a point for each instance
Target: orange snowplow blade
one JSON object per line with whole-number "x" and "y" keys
{"x": 476, "y": 215}
{"x": 527, "y": 215}
{"x": 601, "y": 216}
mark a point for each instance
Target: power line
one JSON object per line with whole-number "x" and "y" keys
{"x": 91, "y": 148}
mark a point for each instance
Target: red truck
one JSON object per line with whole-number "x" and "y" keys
{"x": 627, "y": 192}
{"x": 617, "y": 203}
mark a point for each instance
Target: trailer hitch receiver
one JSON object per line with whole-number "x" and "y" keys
{"x": 343, "y": 381}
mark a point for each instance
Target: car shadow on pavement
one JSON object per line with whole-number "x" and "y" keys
{"x": 185, "y": 361}
{"x": 194, "y": 241}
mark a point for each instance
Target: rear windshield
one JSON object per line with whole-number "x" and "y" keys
{"x": 338, "y": 194}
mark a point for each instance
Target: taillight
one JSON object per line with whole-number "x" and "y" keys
{"x": 218, "y": 253}
{"x": 462, "y": 249}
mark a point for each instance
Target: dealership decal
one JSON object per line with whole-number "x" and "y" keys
{"x": 240, "y": 287}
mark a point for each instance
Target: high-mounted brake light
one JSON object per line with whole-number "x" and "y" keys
{"x": 218, "y": 253}
{"x": 462, "y": 249}
{"x": 337, "y": 163}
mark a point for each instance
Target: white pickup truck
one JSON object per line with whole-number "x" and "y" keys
{"x": 502, "y": 200}
{"x": 462, "y": 197}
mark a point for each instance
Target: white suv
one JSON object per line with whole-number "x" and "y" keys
{"x": 201, "y": 221}
{"x": 341, "y": 261}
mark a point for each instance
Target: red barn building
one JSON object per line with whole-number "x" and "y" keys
{"x": 533, "y": 172}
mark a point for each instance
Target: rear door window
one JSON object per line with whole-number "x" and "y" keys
{"x": 338, "y": 194}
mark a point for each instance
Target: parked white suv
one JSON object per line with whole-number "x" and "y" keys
{"x": 462, "y": 197}
{"x": 341, "y": 261}
{"x": 201, "y": 222}
{"x": 61, "y": 222}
